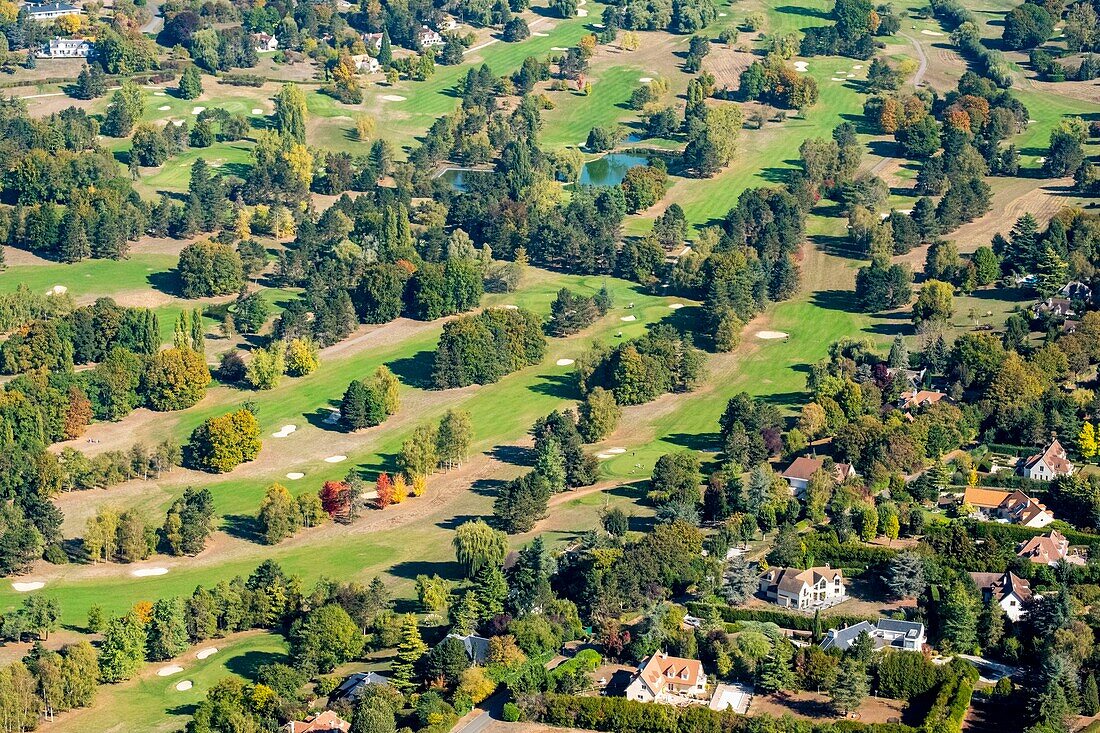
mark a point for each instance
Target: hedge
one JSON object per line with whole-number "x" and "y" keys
{"x": 619, "y": 715}
{"x": 1016, "y": 533}
{"x": 950, "y": 706}
{"x": 847, "y": 554}
{"x": 782, "y": 619}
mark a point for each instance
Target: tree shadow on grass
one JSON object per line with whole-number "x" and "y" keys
{"x": 806, "y": 12}
{"x": 784, "y": 399}
{"x": 242, "y": 526}
{"x": 415, "y": 370}
{"x": 835, "y": 300}
{"x": 382, "y": 462}
{"x": 708, "y": 442}
{"x": 322, "y": 420}
{"x": 412, "y": 568}
{"x": 455, "y": 522}
{"x": 166, "y": 281}
{"x": 187, "y": 711}
{"x": 516, "y": 455}
{"x": 240, "y": 170}
{"x": 837, "y": 246}
{"x": 248, "y": 664}
{"x": 487, "y": 486}
{"x": 561, "y": 386}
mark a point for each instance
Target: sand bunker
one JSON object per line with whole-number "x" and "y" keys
{"x": 616, "y": 451}
{"x": 1040, "y": 160}
{"x": 926, "y": 32}
{"x": 57, "y": 290}
{"x": 541, "y": 35}
{"x": 598, "y": 26}
{"x": 858, "y": 66}
{"x": 207, "y": 652}
{"x": 149, "y": 572}
{"x": 393, "y": 98}
{"x": 837, "y": 79}
{"x": 295, "y": 475}
{"x": 558, "y": 48}
{"x": 169, "y": 670}
{"x": 645, "y": 79}
{"x": 675, "y": 306}
{"x": 257, "y": 111}
{"x": 801, "y": 66}
{"x": 284, "y": 431}
{"x": 335, "y": 459}
{"x": 722, "y": 15}
{"x": 604, "y": 456}
{"x": 177, "y": 123}
{"x": 628, "y": 318}
{"x": 333, "y": 417}
{"x": 197, "y": 110}
{"x": 582, "y": 13}
{"x": 772, "y": 335}
{"x": 164, "y": 107}
{"x": 510, "y": 307}
{"x": 28, "y": 586}
{"x": 183, "y": 686}
{"x": 564, "y": 362}
{"x": 159, "y": 94}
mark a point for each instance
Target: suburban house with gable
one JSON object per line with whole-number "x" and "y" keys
{"x": 373, "y": 41}
{"x": 918, "y": 398}
{"x": 1049, "y": 464}
{"x": 477, "y": 647}
{"x": 66, "y": 48}
{"x": 1008, "y": 589}
{"x": 429, "y": 37}
{"x": 886, "y": 633}
{"x": 265, "y": 42}
{"x": 662, "y": 678}
{"x": 1049, "y": 549}
{"x": 1008, "y": 506}
{"x": 803, "y": 589}
{"x": 802, "y": 468}
{"x": 326, "y": 722}
{"x": 50, "y": 11}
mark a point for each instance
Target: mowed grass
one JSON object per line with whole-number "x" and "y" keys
{"x": 1047, "y": 110}
{"x": 575, "y": 113}
{"x": 152, "y": 704}
{"x": 89, "y": 278}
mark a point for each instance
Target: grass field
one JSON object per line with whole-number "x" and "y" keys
{"x": 93, "y": 278}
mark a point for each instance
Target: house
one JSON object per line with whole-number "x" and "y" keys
{"x": 366, "y": 63}
{"x": 662, "y": 678}
{"x": 1059, "y": 307}
{"x": 1008, "y": 506}
{"x": 803, "y": 589}
{"x": 477, "y": 647}
{"x": 1049, "y": 464}
{"x": 352, "y": 687}
{"x": 373, "y": 41}
{"x": 448, "y": 24}
{"x": 1048, "y": 549}
{"x": 887, "y": 633}
{"x": 326, "y": 722}
{"x": 66, "y": 48}
{"x": 799, "y": 472}
{"x": 265, "y": 42}
{"x": 1076, "y": 290}
{"x": 1008, "y": 589}
{"x": 918, "y": 398}
{"x": 50, "y": 11}
{"x": 428, "y": 38}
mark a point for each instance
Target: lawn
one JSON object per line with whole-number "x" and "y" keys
{"x": 152, "y": 704}
{"x": 93, "y": 278}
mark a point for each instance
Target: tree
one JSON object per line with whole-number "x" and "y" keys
{"x": 190, "y": 85}
{"x": 266, "y": 367}
{"x": 418, "y": 453}
{"x": 41, "y": 614}
{"x": 522, "y": 502}
{"x": 1090, "y": 699}
{"x": 1027, "y": 26}
{"x": 325, "y": 638}
{"x": 991, "y": 625}
{"x": 220, "y": 444}
{"x": 410, "y": 652}
{"x": 851, "y": 686}
{"x": 453, "y": 437}
{"x": 958, "y": 619}
{"x": 290, "y": 113}
{"x": 123, "y": 649}
{"x": 206, "y": 269}
{"x": 740, "y": 580}
{"x": 301, "y": 357}
{"x": 189, "y": 522}
{"x": 478, "y": 545}
{"x": 1086, "y": 441}
{"x": 599, "y": 415}
{"x": 167, "y": 630}
{"x": 1052, "y": 272}
{"x": 934, "y": 304}
{"x": 447, "y": 661}
{"x": 176, "y": 379}
{"x": 280, "y": 516}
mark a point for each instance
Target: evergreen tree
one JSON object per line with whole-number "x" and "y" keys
{"x": 190, "y": 86}
{"x": 550, "y": 465}
{"x": 1052, "y": 272}
{"x": 991, "y": 626}
{"x": 958, "y": 619}
{"x": 850, "y": 687}
{"x": 198, "y": 343}
{"x": 899, "y": 353}
{"x": 410, "y": 652}
{"x": 1090, "y": 700}
{"x": 385, "y": 50}
{"x": 775, "y": 671}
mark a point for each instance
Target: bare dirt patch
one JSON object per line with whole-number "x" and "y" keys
{"x": 814, "y": 706}
{"x": 727, "y": 64}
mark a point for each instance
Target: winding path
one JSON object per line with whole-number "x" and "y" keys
{"x": 918, "y": 77}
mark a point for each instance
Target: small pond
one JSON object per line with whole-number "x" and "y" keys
{"x": 457, "y": 178}
{"x": 610, "y": 169}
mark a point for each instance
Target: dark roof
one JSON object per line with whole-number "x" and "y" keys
{"x": 50, "y": 7}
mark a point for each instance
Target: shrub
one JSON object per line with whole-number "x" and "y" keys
{"x": 511, "y": 712}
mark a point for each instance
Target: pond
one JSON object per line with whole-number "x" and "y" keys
{"x": 457, "y": 178}
{"x": 610, "y": 169}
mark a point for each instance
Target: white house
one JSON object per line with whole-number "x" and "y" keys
{"x": 449, "y": 23}
{"x": 373, "y": 41}
{"x": 66, "y": 48}
{"x": 886, "y": 633}
{"x": 803, "y": 589}
{"x": 1049, "y": 549}
{"x": 1008, "y": 506}
{"x": 1049, "y": 464}
{"x": 666, "y": 679}
{"x": 802, "y": 468}
{"x": 429, "y": 37}
{"x": 265, "y": 42}
{"x": 366, "y": 63}
{"x": 1008, "y": 589}
{"x": 50, "y": 11}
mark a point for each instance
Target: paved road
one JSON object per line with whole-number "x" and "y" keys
{"x": 153, "y": 26}
{"x": 918, "y": 77}
{"x": 477, "y": 720}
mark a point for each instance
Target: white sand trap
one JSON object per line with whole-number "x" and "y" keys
{"x": 628, "y": 318}
{"x": 183, "y": 686}
{"x": 1040, "y": 160}
{"x": 926, "y": 32}
{"x": 801, "y": 66}
{"x": 333, "y": 417}
{"x": 149, "y": 572}
{"x": 851, "y": 76}
{"x": 564, "y": 362}
{"x": 616, "y": 451}
{"x": 57, "y": 290}
{"x": 541, "y": 35}
{"x": 27, "y": 587}
{"x": 169, "y": 670}
{"x": 510, "y": 307}
{"x": 722, "y": 15}
{"x": 837, "y": 79}
{"x": 335, "y": 459}
{"x": 197, "y": 110}
{"x": 177, "y": 123}
{"x": 393, "y": 98}
{"x": 1031, "y": 121}
{"x": 159, "y": 94}
{"x": 598, "y": 26}
{"x": 604, "y": 456}
{"x": 558, "y": 48}
{"x": 645, "y": 79}
{"x": 257, "y": 111}
{"x": 858, "y": 66}
{"x": 207, "y": 652}
{"x": 772, "y": 335}
{"x": 582, "y": 13}
{"x": 284, "y": 431}
{"x": 164, "y": 107}
{"x": 675, "y": 306}
{"x": 295, "y": 475}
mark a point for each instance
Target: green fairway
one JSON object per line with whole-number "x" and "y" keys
{"x": 94, "y": 278}
{"x": 152, "y": 704}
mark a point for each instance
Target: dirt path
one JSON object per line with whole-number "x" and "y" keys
{"x": 918, "y": 78}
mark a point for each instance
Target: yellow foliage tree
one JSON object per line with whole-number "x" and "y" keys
{"x": 419, "y": 484}
{"x": 364, "y": 128}
{"x": 400, "y": 488}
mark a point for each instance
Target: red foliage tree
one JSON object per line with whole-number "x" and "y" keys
{"x": 335, "y": 497}
{"x": 385, "y": 490}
